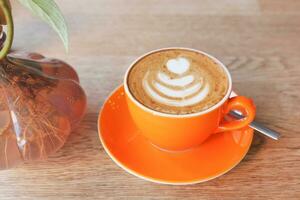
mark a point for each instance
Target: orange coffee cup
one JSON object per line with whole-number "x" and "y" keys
{"x": 184, "y": 131}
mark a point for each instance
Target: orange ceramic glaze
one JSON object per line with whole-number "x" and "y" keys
{"x": 127, "y": 146}
{"x": 185, "y": 132}
{"x": 181, "y": 132}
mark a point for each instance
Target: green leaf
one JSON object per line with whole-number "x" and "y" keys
{"x": 48, "y": 11}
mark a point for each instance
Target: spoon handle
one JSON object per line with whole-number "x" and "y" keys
{"x": 257, "y": 126}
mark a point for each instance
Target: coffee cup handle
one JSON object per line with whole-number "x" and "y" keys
{"x": 242, "y": 104}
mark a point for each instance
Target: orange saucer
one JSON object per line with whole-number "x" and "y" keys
{"x": 132, "y": 152}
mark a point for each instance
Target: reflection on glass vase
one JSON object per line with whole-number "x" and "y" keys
{"x": 41, "y": 101}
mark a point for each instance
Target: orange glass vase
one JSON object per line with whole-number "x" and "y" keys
{"x": 41, "y": 101}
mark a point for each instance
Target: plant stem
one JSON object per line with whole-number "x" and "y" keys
{"x": 10, "y": 28}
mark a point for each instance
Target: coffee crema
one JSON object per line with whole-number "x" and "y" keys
{"x": 177, "y": 81}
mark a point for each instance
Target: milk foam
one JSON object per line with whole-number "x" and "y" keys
{"x": 183, "y": 81}
{"x": 185, "y": 89}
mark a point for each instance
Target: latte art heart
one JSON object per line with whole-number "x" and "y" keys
{"x": 177, "y": 81}
{"x": 178, "y": 65}
{"x": 181, "y": 91}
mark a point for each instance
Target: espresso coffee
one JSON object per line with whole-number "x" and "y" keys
{"x": 177, "y": 81}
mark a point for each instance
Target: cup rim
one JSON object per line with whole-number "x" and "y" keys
{"x": 170, "y": 115}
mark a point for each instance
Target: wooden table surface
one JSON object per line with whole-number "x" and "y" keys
{"x": 257, "y": 39}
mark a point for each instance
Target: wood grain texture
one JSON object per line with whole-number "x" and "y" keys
{"x": 258, "y": 40}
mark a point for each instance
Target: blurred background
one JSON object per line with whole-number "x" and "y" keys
{"x": 227, "y": 27}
